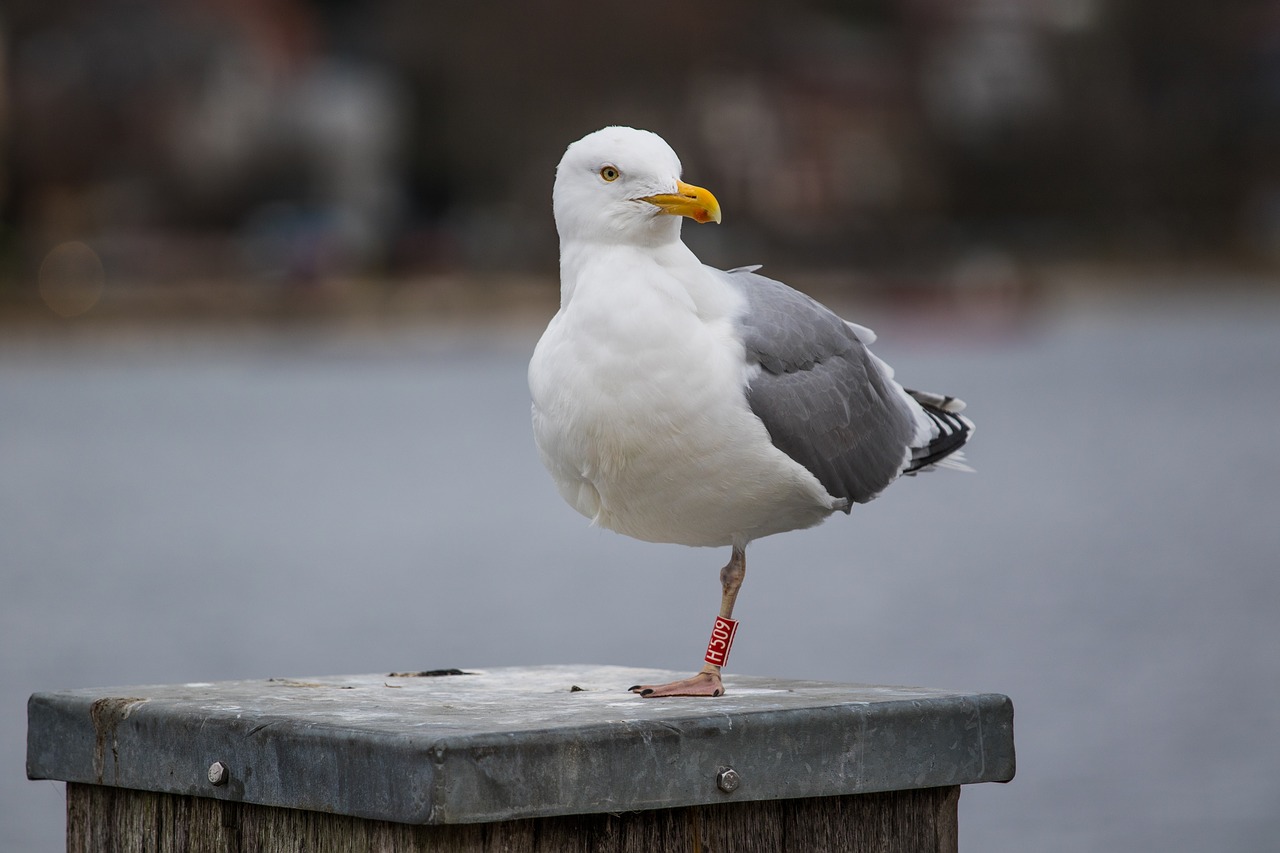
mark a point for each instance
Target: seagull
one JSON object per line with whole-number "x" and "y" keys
{"x": 675, "y": 402}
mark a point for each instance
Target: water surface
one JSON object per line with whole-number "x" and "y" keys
{"x": 225, "y": 506}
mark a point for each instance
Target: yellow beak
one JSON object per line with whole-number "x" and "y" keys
{"x": 694, "y": 202}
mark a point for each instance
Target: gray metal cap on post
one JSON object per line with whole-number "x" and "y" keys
{"x": 515, "y": 742}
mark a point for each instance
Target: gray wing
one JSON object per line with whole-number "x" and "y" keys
{"x": 820, "y": 394}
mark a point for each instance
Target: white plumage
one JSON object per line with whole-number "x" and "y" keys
{"x": 674, "y": 402}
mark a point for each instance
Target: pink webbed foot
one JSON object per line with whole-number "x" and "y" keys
{"x": 702, "y": 684}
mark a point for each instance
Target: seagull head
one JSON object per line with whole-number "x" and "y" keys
{"x": 622, "y": 185}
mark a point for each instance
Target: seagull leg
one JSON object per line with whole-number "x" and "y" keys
{"x": 707, "y": 682}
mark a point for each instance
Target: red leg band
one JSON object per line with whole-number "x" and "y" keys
{"x": 721, "y": 640}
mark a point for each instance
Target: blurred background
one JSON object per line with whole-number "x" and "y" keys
{"x": 215, "y": 150}
{"x": 271, "y": 270}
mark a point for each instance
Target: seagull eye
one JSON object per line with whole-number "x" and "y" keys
{"x": 610, "y": 173}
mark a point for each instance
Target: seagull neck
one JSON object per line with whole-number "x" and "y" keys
{"x": 585, "y": 260}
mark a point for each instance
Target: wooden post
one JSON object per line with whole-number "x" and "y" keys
{"x": 102, "y": 819}
{"x": 538, "y": 759}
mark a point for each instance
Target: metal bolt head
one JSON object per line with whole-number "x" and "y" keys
{"x": 218, "y": 773}
{"x": 727, "y": 780}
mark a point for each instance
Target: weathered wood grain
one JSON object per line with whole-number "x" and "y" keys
{"x": 115, "y": 820}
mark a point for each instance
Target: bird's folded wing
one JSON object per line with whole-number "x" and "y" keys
{"x": 826, "y": 401}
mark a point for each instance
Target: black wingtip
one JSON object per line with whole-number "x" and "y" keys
{"x": 953, "y": 432}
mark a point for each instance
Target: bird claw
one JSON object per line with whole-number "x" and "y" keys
{"x": 702, "y": 684}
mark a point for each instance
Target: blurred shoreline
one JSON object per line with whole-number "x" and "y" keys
{"x": 986, "y": 294}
